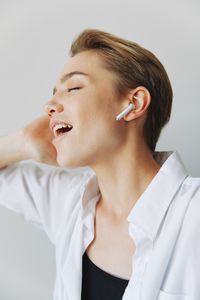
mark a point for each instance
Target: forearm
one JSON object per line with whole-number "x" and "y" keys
{"x": 12, "y": 149}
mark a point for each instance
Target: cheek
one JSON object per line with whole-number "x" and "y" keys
{"x": 99, "y": 134}
{"x": 95, "y": 120}
{"x": 84, "y": 116}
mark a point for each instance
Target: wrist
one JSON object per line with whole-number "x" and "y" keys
{"x": 12, "y": 149}
{"x": 22, "y": 146}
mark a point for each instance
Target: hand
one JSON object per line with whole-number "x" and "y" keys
{"x": 38, "y": 141}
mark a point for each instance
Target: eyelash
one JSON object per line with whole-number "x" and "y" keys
{"x": 69, "y": 90}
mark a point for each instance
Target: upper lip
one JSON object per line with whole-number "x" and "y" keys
{"x": 53, "y": 123}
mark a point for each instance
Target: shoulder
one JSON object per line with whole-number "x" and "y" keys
{"x": 74, "y": 178}
{"x": 55, "y": 177}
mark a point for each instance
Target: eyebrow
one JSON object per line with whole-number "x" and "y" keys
{"x": 68, "y": 76}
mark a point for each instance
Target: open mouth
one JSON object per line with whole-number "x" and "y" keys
{"x": 60, "y": 129}
{"x": 59, "y": 133}
{"x": 63, "y": 130}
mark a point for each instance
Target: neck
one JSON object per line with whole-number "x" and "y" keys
{"x": 123, "y": 179}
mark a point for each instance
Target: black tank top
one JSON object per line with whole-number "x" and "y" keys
{"x": 100, "y": 285}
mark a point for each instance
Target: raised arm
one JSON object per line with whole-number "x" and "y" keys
{"x": 42, "y": 194}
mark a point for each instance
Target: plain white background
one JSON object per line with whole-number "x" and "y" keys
{"x": 34, "y": 42}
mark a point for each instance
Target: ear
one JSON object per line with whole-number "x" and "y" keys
{"x": 141, "y": 99}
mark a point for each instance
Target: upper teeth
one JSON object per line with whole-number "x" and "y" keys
{"x": 59, "y": 126}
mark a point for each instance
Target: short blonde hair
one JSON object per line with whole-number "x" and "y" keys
{"x": 134, "y": 66}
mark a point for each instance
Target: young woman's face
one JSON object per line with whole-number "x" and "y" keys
{"x": 89, "y": 104}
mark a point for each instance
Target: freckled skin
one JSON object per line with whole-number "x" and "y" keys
{"x": 115, "y": 150}
{"x": 91, "y": 110}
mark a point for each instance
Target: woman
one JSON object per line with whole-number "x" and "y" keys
{"x": 122, "y": 226}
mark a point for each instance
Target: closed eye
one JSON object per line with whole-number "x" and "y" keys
{"x": 75, "y": 88}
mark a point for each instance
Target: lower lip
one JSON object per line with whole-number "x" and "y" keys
{"x": 59, "y": 137}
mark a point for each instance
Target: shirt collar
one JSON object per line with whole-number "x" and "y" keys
{"x": 152, "y": 205}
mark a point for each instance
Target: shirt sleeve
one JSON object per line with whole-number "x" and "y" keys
{"x": 44, "y": 195}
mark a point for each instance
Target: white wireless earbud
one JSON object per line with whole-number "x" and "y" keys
{"x": 126, "y": 110}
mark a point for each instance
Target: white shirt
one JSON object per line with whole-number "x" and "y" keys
{"x": 164, "y": 224}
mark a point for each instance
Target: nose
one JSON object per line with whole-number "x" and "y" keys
{"x": 51, "y": 107}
